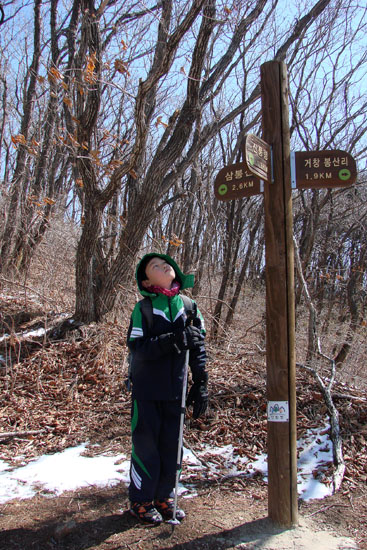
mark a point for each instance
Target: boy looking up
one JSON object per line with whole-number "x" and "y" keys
{"x": 157, "y": 371}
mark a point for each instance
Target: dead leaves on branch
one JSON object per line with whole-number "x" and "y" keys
{"x": 160, "y": 122}
{"x": 121, "y": 67}
{"x": 67, "y": 101}
{"x": 89, "y": 74}
{"x": 174, "y": 240}
{"x": 33, "y": 199}
{"x": 82, "y": 149}
{"x": 54, "y": 76}
{"x": 68, "y": 88}
{"x": 31, "y": 146}
{"x": 19, "y": 138}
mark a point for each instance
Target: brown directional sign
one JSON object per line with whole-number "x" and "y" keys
{"x": 235, "y": 181}
{"x": 257, "y": 155}
{"x": 322, "y": 169}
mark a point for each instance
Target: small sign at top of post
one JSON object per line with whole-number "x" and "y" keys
{"x": 257, "y": 155}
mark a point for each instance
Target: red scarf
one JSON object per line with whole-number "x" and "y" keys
{"x": 175, "y": 289}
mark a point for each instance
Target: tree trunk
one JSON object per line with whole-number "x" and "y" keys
{"x": 226, "y": 271}
{"x": 241, "y": 278}
{"x": 20, "y": 179}
{"x": 33, "y": 224}
{"x": 354, "y": 294}
{"x": 87, "y": 269}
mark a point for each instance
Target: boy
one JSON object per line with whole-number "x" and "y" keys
{"x": 157, "y": 373}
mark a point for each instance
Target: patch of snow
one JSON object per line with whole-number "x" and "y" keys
{"x": 69, "y": 470}
{"x": 61, "y": 472}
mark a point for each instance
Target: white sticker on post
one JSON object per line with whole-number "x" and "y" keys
{"x": 278, "y": 411}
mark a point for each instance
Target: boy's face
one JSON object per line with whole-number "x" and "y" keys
{"x": 158, "y": 273}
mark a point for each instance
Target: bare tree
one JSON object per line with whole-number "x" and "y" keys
{"x": 20, "y": 175}
{"x": 141, "y": 108}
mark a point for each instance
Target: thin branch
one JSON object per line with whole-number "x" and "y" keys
{"x": 325, "y": 388}
{"x": 10, "y": 435}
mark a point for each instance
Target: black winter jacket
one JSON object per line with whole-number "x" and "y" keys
{"x": 157, "y": 367}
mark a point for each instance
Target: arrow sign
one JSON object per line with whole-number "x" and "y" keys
{"x": 235, "y": 181}
{"x": 322, "y": 169}
{"x": 258, "y": 156}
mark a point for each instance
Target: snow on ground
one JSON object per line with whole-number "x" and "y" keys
{"x": 50, "y": 475}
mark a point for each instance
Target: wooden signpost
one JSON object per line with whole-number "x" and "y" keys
{"x": 280, "y": 309}
{"x": 270, "y": 160}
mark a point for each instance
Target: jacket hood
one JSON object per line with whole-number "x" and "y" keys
{"x": 186, "y": 281}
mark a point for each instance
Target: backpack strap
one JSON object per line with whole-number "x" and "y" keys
{"x": 190, "y": 306}
{"x": 146, "y": 308}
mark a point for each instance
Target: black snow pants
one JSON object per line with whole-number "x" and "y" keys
{"x": 155, "y": 429}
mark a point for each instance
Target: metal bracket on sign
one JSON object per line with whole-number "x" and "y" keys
{"x": 293, "y": 170}
{"x": 272, "y": 165}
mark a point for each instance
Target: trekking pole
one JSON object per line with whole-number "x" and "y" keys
{"x": 174, "y": 521}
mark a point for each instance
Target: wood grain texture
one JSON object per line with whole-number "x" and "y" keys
{"x": 282, "y": 465}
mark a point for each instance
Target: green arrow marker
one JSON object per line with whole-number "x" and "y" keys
{"x": 344, "y": 174}
{"x": 222, "y": 189}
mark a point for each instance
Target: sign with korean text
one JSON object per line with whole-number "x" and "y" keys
{"x": 235, "y": 181}
{"x": 322, "y": 169}
{"x": 258, "y": 156}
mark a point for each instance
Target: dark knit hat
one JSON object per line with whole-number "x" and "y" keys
{"x": 186, "y": 281}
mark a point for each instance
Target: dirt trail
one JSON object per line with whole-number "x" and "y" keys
{"x": 261, "y": 534}
{"x": 217, "y": 519}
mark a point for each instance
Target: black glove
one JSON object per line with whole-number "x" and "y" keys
{"x": 198, "y": 396}
{"x": 189, "y": 338}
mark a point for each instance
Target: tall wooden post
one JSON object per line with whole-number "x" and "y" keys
{"x": 281, "y": 390}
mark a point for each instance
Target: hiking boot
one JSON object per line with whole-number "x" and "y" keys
{"x": 165, "y": 507}
{"x": 146, "y": 512}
